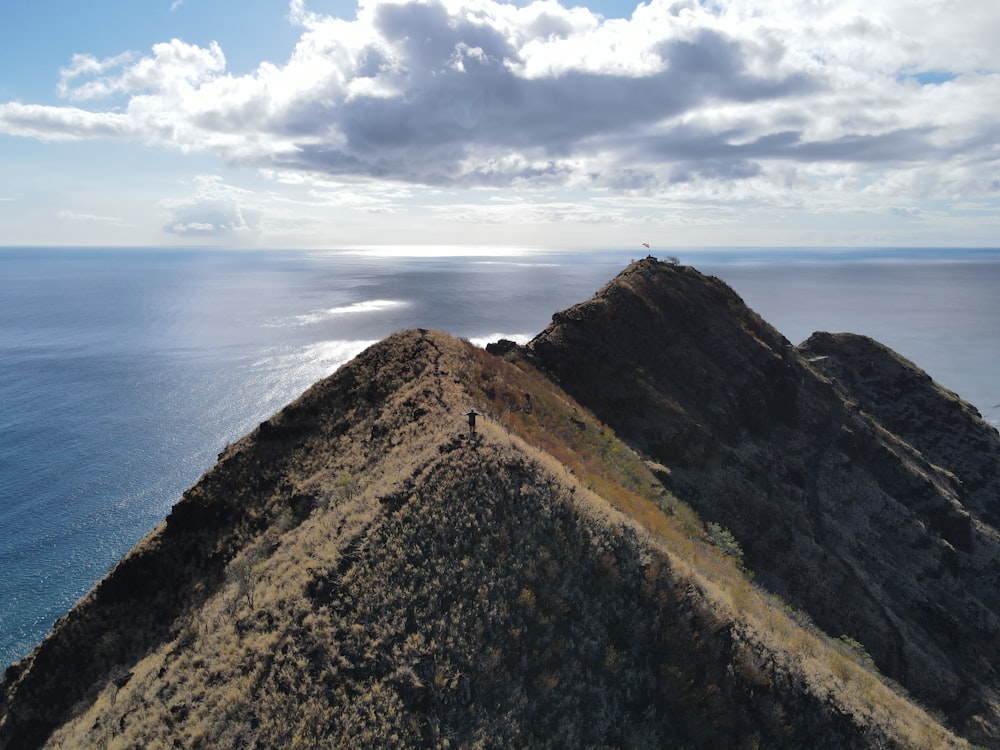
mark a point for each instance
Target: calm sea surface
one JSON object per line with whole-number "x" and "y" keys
{"x": 123, "y": 373}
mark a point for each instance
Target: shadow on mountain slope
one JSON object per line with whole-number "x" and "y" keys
{"x": 859, "y": 490}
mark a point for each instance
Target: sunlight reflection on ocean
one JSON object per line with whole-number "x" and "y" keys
{"x": 316, "y": 316}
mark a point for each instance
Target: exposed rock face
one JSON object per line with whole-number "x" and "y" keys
{"x": 859, "y": 490}
{"x": 358, "y": 572}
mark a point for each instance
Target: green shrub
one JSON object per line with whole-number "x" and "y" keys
{"x": 723, "y": 538}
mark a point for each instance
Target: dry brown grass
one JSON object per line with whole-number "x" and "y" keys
{"x": 576, "y": 441}
{"x": 534, "y": 587}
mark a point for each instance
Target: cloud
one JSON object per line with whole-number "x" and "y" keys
{"x": 92, "y": 218}
{"x": 49, "y": 123}
{"x": 175, "y": 70}
{"x": 532, "y": 212}
{"x": 905, "y": 213}
{"x": 776, "y": 95}
{"x": 215, "y": 210}
{"x": 88, "y": 65}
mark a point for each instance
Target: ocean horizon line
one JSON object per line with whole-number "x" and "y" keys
{"x": 416, "y": 250}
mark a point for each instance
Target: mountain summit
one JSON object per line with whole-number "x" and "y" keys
{"x": 668, "y": 527}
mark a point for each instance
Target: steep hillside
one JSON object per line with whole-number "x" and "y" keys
{"x": 946, "y": 430}
{"x": 359, "y": 572}
{"x": 860, "y": 491}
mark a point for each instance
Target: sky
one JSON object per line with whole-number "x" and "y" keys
{"x": 325, "y": 123}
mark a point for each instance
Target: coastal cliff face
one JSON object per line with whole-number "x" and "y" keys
{"x": 360, "y": 571}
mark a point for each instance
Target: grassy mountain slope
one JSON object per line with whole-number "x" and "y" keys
{"x": 885, "y": 538}
{"x": 357, "y": 572}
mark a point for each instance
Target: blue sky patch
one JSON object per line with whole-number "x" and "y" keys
{"x": 932, "y": 77}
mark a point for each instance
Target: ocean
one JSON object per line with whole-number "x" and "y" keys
{"x": 124, "y": 372}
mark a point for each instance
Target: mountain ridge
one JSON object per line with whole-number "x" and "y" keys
{"x": 360, "y": 569}
{"x": 740, "y": 416}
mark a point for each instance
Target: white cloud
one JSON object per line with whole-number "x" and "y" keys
{"x": 175, "y": 71}
{"x": 779, "y": 103}
{"x": 49, "y": 123}
{"x": 533, "y": 212}
{"x": 92, "y": 218}
{"x": 88, "y": 65}
{"x": 215, "y": 210}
